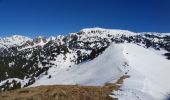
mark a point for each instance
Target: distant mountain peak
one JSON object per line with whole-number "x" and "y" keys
{"x": 14, "y": 40}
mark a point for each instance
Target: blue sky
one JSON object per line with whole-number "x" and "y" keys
{"x": 53, "y": 17}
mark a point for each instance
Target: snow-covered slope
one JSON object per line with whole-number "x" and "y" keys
{"x": 148, "y": 72}
{"x": 106, "y": 67}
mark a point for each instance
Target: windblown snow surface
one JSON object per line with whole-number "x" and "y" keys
{"x": 148, "y": 72}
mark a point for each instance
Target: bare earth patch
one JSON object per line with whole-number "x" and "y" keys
{"x": 64, "y": 92}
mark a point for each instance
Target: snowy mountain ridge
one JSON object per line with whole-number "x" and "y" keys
{"x": 14, "y": 40}
{"x": 19, "y": 40}
{"x": 79, "y": 58}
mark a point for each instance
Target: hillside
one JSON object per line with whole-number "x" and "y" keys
{"x": 91, "y": 57}
{"x": 65, "y": 92}
{"x": 118, "y": 60}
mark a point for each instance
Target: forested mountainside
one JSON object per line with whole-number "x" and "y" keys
{"x": 23, "y": 61}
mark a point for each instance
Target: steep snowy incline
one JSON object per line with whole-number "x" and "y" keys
{"x": 148, "y": 74}
{"x": 107, "y": 67}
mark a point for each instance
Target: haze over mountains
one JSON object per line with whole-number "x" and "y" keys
{"x": 91, "y": 57}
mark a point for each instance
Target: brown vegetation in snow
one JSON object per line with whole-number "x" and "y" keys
{"x": 64, "y": 92}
